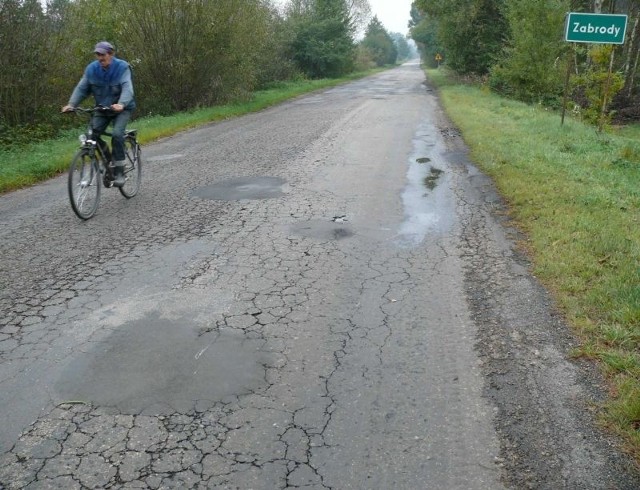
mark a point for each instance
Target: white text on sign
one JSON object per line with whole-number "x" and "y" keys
{"x": 579, "y": 28}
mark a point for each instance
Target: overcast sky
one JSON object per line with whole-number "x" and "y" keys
{"x": 394, "y": 14}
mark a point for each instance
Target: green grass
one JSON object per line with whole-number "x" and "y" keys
{"x": 576, "y": 195}
{"x": 45, "y": 159}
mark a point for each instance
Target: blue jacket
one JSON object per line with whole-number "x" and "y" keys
{"x": 110, "y": 86}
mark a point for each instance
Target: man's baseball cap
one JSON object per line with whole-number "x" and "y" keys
{"x": 103, "y": 47}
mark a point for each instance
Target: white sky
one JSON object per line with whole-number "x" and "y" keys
{"x": 394, "y": 14}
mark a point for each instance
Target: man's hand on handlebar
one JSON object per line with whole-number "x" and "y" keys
{"x": 117, "y": 107}
{"x": 68, "y": 108}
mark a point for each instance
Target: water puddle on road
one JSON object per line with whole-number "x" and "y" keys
{"x": 427, "y": 201}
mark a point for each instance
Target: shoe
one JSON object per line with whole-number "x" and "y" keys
{"x": 118, "y": 174}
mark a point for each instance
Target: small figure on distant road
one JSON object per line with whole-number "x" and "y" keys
{"x": 109, "y": 80}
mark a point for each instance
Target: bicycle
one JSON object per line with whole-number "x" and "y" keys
{"x": 92, "y": 167}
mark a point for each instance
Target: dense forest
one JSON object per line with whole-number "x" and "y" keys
{"x": 184, "y": 53}
{"x": 517, "y": 48}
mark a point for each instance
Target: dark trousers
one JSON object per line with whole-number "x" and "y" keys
{"x": 119, "y": 120}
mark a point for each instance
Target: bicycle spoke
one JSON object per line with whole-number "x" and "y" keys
{"x": 133, "y": 168}
{"x": 84, "y": 185}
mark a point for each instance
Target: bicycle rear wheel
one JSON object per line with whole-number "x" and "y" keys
{"x": 84, "y": 184}
{"x": 132, "y": 168}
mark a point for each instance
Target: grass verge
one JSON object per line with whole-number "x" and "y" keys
{"x": 576, "y": 195}
{"x": 45, "y": 159}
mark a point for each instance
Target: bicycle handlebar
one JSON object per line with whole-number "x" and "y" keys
{"x": 99, "y": 108}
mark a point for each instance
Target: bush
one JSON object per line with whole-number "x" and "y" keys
{"x": 531, "y": 67}
{"x": 598, "y": 87}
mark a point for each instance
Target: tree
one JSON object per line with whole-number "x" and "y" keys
{"x": 597, "y": 85}
{"x": 379, "y": 44}
{"x": 627, "y": 102}
{"x": 184, "y": 53}
{"x": 530, "y": 67}
{"x": 402, "y": 46}
{"x": 470, "y": 31}
{"x": 190, "y": 53}
{"x": 360, "y": 13}
{"x": 273, "y": 57}
{"x": 424, "y": 31}
{"x": 24, "y": 33}
{"x": 323, "y": 44}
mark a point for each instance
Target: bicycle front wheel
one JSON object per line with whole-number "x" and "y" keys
{"x": 84, "y": 185}
{"x": 132, "y": 168}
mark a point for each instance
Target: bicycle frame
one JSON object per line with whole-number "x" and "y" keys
{"x": 90, "y": 143}
{"x": 83, "y": 193}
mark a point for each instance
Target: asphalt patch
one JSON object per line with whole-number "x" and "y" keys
{"x": 164, "y": 365}
{"x": 250, "y": 188}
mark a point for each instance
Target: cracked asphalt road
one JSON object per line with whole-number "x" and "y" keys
{"x": 325, "y": 294}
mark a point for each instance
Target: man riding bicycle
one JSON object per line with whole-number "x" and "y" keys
{"x": 108, "y": 79}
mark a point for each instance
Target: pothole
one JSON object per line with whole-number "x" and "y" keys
{"x": 450, "y": 133}
{"x": 334, "y": 229}
{"x": 251, "y": 188}
{"x": 340, "y": 219}
{"x": 431, "y": 180}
